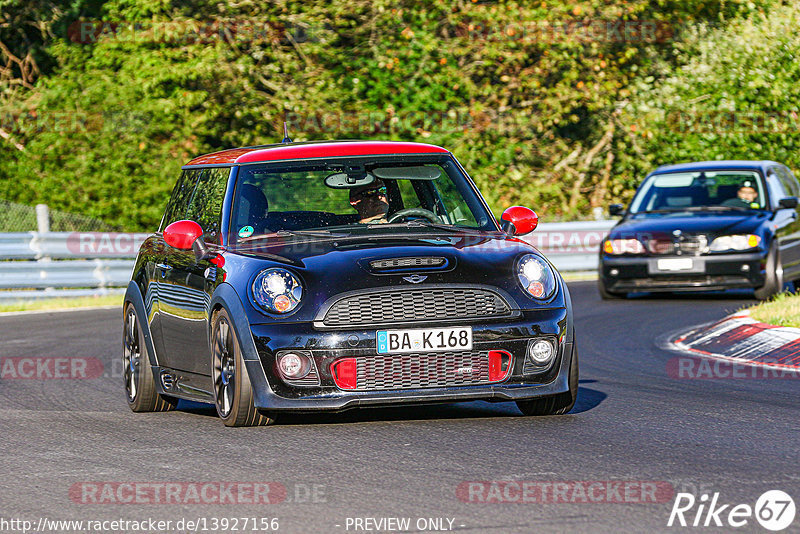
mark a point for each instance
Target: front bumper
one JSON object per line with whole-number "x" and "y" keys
{"x": 708, "y": 273}
{"x": 272, "y": 393}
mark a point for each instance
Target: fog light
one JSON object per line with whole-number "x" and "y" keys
{"x": 293, "y": 365}
{"x": 541, "y": 351}
{"x": 344, "y": 373}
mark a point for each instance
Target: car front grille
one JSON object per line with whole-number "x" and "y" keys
{"x": 422, "y": 370}
{"x": 693, "y": 245}
{"x": 415, "y": 305}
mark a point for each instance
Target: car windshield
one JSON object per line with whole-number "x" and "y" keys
{"x": 720, "y": 190}
{"x": 355, "y": 195}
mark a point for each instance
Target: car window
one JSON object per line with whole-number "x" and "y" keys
{"x": 205, "y": 205}
{"x": 318, "y": 195}
{"x": 179, "y": 201}
{"x": 700, "y": 189}
{"x": 776, "y": 189}
{"x": 788, "y": 181}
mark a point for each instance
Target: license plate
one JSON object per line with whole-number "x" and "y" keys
{"x": 675, "y": 264}
{"x": 424, "y": 339}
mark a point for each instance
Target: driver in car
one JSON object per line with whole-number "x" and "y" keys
{"x": 745, "y": 197}
{"x": 370, "y": 202}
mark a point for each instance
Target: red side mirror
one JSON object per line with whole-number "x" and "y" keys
{"x": 519, "y": 220}
{"x": 182, "y": 234}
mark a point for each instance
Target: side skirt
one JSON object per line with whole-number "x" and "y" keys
{"x": 184, "y": 385}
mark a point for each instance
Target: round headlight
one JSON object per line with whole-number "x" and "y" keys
{"x": 536, "y": 276}
{"x": 277, "y": 290}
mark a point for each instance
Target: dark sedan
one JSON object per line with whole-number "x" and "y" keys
{"x": 332, "y": 275}
{"x": 709, "y": 225}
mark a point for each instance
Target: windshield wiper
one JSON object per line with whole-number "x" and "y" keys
{"x": 288, "y": 233}
{"x": 317, "y": 232}
{"x": 718, "y": 208}
{"x": 673, "y": 210}
{"x": 696, "y": 208}
{"x": 419, "y": 223}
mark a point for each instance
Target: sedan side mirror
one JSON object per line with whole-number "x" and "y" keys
{"x": 616, "y": 209}
{"x": 519, "y": 220}
{"x": 788, "y": 202}
{"x": 187, "y": 235}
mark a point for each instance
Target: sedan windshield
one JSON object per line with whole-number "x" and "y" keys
{"x": 345, "y": 195}
{"x": 700, "y": 191}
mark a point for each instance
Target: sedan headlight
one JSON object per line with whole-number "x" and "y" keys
{"x": 623, "y": 246}
{"x": 734, "y": 242}
{"x": 536, "y": 276}
{"x": 277, "y": 290}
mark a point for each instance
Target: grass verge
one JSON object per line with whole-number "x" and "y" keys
{"x": 781, "y": 310}
{"x": 62, "y": 303}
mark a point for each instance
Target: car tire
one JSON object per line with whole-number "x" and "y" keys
{"x": 555, "y": 404}
{"x": 774, "y": 276}
{"x": 233, "y": 392}
{"x": 605, "y": 294}
{"x": 140, "y": 385}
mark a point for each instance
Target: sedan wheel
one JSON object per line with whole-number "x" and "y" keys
{"x": 232, "y": 390}
{"x": 139, "y": 382}
{"x": 774, "y": 276}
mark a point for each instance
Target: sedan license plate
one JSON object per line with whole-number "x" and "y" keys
{"x": 675, "y": 264}
{"x": 424, "y": 340}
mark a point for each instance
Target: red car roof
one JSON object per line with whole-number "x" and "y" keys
{"x": 326, "y": 149}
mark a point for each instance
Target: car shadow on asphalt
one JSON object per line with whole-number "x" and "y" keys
{"x": 587, "y": 399}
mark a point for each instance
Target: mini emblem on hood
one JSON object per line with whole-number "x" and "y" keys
{"x": 676, "y": 233}
{"x": 415, "y": 278}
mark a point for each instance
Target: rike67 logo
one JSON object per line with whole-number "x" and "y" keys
{"x": 774, "y": 510}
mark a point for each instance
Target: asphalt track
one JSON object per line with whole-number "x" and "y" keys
{"x": 633, "y": 422}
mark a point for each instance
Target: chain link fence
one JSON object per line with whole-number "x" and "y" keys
{"x": 16, "y": 217}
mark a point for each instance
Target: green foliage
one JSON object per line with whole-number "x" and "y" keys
{"x": 733, "y": 95}
{"x": 538, "y": 116}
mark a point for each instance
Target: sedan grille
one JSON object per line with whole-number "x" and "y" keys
{"x": 689, "y": 245}
{"x": 415, "y": 305}
{"x": 422, "y": 370}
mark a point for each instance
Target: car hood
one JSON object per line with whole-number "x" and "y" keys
{"x": 691, "y": 223}
{"x": 328, "y": 267}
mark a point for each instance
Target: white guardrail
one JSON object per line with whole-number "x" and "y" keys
{"x": 97, "y": 261}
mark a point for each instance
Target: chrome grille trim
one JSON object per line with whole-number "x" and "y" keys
{"x": 415, "y": 262}
{"x": 419, "y": 304}
{"x": 420, "y": 370}
{"x": 691, "y": 245}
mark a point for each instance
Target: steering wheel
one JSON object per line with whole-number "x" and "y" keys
{"x": 420, "y": 212}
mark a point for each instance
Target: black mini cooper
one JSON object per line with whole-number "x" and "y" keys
{"x": 332, "y": 275}
{"x": 709, "y": 225}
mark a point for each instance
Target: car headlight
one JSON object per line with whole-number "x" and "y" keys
{"x": 734, "y": 242}
{"x": 536, "y": 276}
{"x": 623, "y": 246}
{"x": 277, "y": 290}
